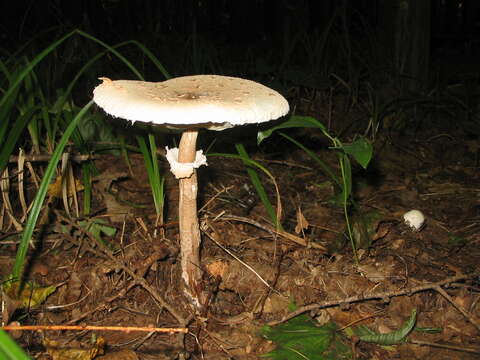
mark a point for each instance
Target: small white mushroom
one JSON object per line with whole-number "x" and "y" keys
{"x": 414, "y": 219}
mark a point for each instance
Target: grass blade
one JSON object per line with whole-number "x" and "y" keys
{"x": 30, "y": 66}
{"x": 274, "y": 215}
{"x": 257, "y": 183}
{"x": 8, "y": 145}
{"x": 41, "y": 193}
{"x": 154, "y": 177}
{"x": 314, "y": 156}
{"x": 9, "y": 350}
{"x": 7, "y": 100}
{"x": 87, "y": 187}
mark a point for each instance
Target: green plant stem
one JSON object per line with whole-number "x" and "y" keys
{"x": 346, "y": 174}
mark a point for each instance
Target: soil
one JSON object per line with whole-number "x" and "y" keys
{"x": 253, "y": 274}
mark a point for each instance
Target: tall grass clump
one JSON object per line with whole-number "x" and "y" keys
{"x": 52, "y": 124}
{"x": 46, "y": 122}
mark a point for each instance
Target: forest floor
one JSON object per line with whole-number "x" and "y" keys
{"x": 255, "y": 275}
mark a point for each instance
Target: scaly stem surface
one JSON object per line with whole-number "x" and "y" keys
{"x": 188, "y": 220}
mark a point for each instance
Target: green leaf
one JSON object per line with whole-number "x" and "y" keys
{"x": 294, "y": 121}
{"x": 31, "y": 295}
{"x": 97, "y": 227}
{"x": 394, "y": 337}
{"x": 9, "y": 350}
{"x": 361, "y": 150}
{"x": 87, "y": 169}
{"x": 429, "y": 330}
{"x": 300, "y": 339}
{"x": 456, "y": 240}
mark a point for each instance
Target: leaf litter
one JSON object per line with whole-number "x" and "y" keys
{"x": 125, "y": 283}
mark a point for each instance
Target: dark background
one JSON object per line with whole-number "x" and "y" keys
{"x": 240, "y": 21}
{"x": 454, "y": 23}
{"x": 390, "y": 48}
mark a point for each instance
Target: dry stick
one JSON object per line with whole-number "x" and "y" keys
{"x": 148, "y": 262}
{"x": 250, "y": 268}
{"x": 126, "y": 329}
{"x": 5, "y": 189}
{"x": 119, "y": 294}
{"x": 296, "y": 239}
{"x": 21, "y": 182}
{"x": 75, "y": 157}
{"x": 143, "y": 283}
{"x": 457, "y": 306}
{"x": 46, "y": 157}
{"x": 380, "y": 295}
{"x": 219, "y": 192}
{"x": 445, "y": 346}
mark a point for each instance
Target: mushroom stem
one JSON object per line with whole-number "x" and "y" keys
{"x": 188, "y": 221}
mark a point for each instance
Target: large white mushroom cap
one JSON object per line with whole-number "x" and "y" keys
{"x": 210, "y": 101}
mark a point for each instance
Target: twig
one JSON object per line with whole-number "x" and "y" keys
{"x": 119, "y": 294}
{"x": 296, "y": 239}
{"x": 46, "y": 157}
{"x": 219, "y": 192}
{"x": 126, "y": 329}
{"x": 445, "y": 346}
{"x": 155, "y": 294}
{"x": 380, "y": 295}
{"x": 76, "y": 157}
{"x": 457, "y": 306}
{"x": 212, "y": 237}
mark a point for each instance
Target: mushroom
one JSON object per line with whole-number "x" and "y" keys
{"x": 190, "y": 103}
{"x": 414, "y": 219}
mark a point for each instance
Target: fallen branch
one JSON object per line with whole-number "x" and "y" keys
{"x": 380, "y": 295}
{"x": 126, "y": 329}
